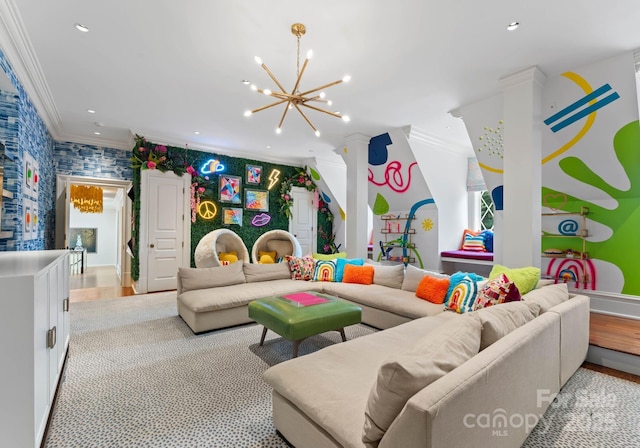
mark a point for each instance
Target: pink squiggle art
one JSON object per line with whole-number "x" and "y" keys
{"x": 393, "y": 173}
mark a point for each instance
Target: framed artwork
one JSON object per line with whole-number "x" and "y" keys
{"x": 84, "y": 237}
{"x": 232, "y": 216}
{"x": 230, "y": 189}
{"x": 257, "y": 200}
{"x": 254, "y": 174}
{"x": 27, "y": 211}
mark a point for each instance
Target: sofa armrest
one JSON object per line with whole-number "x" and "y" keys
{"x": 515, "y": 376}
{"x": 574, "y": 334}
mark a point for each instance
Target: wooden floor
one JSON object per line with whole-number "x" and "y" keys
{"x": 614, "y": 333}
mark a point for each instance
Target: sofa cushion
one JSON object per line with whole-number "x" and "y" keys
{"x": 463, "y": 295}
{"x": 302, "y": 268}
{"x": 525, "y": 278}
{"x": 433, "y": 289}
{"x": 413, "y": 275}
{"x": 391, "y": 276}
{"x": 548, "y": 296}
{"x": 263, "y": 272}
{"x": 263, "y": 254}
{"x": 358, "y": 274}
{"x": 404, "y": 374}
{"x": 341, "y": 262}
{"x": 500, "y": 320}
{"x": 202, "y": 278}
{"x": 325, "y": 271}
{"x": 474, "y": 243}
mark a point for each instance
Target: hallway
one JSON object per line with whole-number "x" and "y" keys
{"x": 98, "y": 282}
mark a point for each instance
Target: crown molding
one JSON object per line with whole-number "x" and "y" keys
{"x": 248, "y": 154}
{"x": 21, "y": 54}
{"x": 97, "y": 141}
{"x": 531, "y": 75}
{"x": 636, "y": 58}
{"x": 422, "y": 137}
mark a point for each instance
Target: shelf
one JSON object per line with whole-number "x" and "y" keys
{"x": 7, "y": 194}
{"x": 584, "y": 211}
{"x": 586, "y": 257}
{"x": 563, "y": 236}
{"x": 393, "y": 218}
{"x": 393, "y": 232}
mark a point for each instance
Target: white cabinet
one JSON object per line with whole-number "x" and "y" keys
{"x": 34, "y": 338}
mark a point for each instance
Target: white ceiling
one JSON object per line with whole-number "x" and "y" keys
{"x": 164, "y": 69}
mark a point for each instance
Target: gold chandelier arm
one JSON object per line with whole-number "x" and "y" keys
{"x": 268, "y": 106}
{"x": 328, "y": 112}
{"x": 326, "y": 86}
{"x": 284, "y": 114}
{"x": 304, "y": 66}
{"x": 272, "y": 76}
{"x": 305, "y": 117}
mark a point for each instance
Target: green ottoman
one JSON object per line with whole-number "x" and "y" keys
{"x": 296, "y": 322}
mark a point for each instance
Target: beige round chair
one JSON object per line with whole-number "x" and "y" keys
{"x": 219, "y": 240}
{"x": 281, "y": 241}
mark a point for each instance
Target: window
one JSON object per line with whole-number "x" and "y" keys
{"x": 486, "y": 211}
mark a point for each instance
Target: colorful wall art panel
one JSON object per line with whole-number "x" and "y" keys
{"x": 230, "y": 187}
{"x": 232, "y": 216}
{"x": 257, "y": 200}
{"x": 254, "y": 174}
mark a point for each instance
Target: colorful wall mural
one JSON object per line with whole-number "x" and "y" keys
{"x": 405, "y": 214}
{"x": 590, "y": 159}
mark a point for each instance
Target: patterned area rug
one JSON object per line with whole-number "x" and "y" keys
{"x": 137, "y": 376}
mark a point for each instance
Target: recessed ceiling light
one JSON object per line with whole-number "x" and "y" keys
{"x": 196, "y": 132}
{"x": 91, "y": 111}
{"x": 97, "y": 123}
{"x": 81, "y": 27}
{"x": 246, "y": 82}
{"x": 268, "y": 147}
{"x": 97, "y": 133}
{"x": 513, "y": 26}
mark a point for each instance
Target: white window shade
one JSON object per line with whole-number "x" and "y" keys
{"x": 475, "y": 181}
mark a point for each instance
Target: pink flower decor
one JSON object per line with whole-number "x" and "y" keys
{"x": 142, "y": 149}
{"x": 286, "y": 197}
{"x": 200, "y": 189}
{"x": 191, "y": 170}
{"x": 161, "y": 148}
{"x": 151, "y": 165}
{"x": 206, "y": 177}
{"x": 163, "y": 158}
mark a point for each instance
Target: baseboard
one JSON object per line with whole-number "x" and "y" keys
{"x": 614, "y": 360}
{"x": 619, "y": 305}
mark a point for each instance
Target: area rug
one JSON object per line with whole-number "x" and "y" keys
{"x": 137, "y": 376}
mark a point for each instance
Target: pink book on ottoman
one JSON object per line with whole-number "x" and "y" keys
{"x": 305, "y": 299}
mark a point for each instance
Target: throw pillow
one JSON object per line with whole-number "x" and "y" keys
{"x": 229, "y": 257}
{"x": 330, "y": 256}
{"x": 202, "y": 278}
{"x": 488, "y": 239}
{"x": 342, "y": 262}
{"x": 463, "y": 295}
{"x": 499, "y": 321}
{"x": 548, "y": 296}
{"x": 266, "y": 259}
{"x": 358, "y": 274}
{"x": 325, "y": 271}
{"x": 302, "y": 268}
{"x": 473, "y": 243}
{"x": 456, "y": 278}
{"x": 433, "y": 289}
{"x": 270, "y": 253}
{"x": 404, "y": 374}
{"x": 496, "y": 291}
{"x": 255, "y": 272}
{"x": 413, "y": 275}
{"x": 468, "y": 232}
{"x": 391, "y": 276}
{"x": 525, "y": 278}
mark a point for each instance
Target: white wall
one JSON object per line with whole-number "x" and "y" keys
{"x": 107, "y": 225}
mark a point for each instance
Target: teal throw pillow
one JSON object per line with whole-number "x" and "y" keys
{"x": 340, "y": 264}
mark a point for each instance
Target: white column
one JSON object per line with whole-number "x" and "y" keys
{"x": 356, "y": 156}
{"x": 522, "y": 93}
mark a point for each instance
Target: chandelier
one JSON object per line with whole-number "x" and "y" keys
{"x": 87, "y": 199}
{"x": 297, "y": 99}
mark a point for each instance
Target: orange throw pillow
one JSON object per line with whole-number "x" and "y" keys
{"x": 433, "y": 289}
{"x": 358, "y": 274}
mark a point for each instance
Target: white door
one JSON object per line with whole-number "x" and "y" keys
{"x": 303, "y": 219}
{"x": 165, "y": 232}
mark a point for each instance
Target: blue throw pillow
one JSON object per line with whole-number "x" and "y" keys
{"x": 341, "y": 262}
{"x": 488, "y": 239}
{"x": 457, "y": 278}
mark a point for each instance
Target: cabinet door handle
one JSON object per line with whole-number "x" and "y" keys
{"x": 65, "y": 305}
{"x": 51, "y": 338}
{"x": 152, "y": 245}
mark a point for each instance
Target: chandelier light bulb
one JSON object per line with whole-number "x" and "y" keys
{"x": 267, "y": 92}
{"x": 309, "y": 54}
{"x": 254, "y": 87}
{"x": 247, "y": 113}
{"x": 346, "y": 118}
{"x": 278, "y": 130}
{"x": 329, "y": 103}
{"x": 322, "y": 95}
{"x": 317, "y": 133}
{"x": 258, "y": 60}
{"x": 290, "y": 106}
{"x": 347, "y": 78}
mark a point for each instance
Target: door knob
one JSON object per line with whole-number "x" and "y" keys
{"x": 152, "y": 245}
